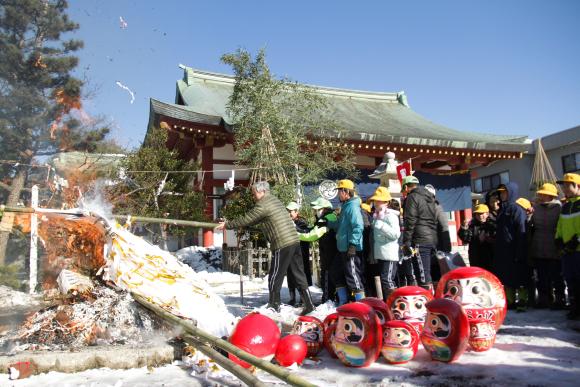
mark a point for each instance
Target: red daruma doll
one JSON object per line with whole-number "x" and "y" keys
{"x": 358, "y": 337}
{"x": 312, "y": 331}
{"x": 380, "y": 308}
{"x": 255, "y": 334}
{"x": 400, "y": 342}
{"x": 482, "y": 296}
{"x": 446, "y": 330}
{"x": 329, "y": 324}
{"x": 408, "y": 304}
{"x": 481, "y": 334}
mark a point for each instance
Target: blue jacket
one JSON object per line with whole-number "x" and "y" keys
{"x": 349, "y": 227}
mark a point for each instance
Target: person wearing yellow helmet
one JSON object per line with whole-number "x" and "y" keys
{"x": 543, "y": 250}
{"x": 385, "y": 239}
{"x": 479, "y": 236}
{"x": 567, "y": 239}
{"x": 349, "y": 242}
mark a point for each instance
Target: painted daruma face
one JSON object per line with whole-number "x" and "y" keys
{"x": 479, "y": 292}
{"x": 408, "y": 304}
{"x": 311, "y": 330}
{"x": 470, "y": 292}
{"x": 446, "y": 330}
{"x": 329, "y": 325}
{"x": 358, "y": 335}
{"x": 481, "y": 334}
{"x": 400, "y": 342}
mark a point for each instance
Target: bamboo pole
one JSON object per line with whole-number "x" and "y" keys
{"x": 201, "y": 335}
{"x": 175, "y": 222}
{"x": 238, "y": 371}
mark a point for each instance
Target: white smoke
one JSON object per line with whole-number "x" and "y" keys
{"x": 94, "y": 201}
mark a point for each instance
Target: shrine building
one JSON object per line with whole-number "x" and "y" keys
{"x": 373, "y": 123}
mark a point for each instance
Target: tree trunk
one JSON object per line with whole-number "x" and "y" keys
{"x": 8, "y": 218}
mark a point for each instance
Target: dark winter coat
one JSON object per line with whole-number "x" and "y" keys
{"x": 510, "y": 260}
{"x": 443, "y": 237}
{"x": 481, "y": 238}
{"x": 420, "y": 218}
{"x": 327, "y": 243}
{"x": 302, "y": 227}
{"x": 272, "y": 216}
{"x": 543, "y": 230}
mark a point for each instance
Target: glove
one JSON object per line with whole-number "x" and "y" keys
{"x": 407, "y": 250}
{"x": 351, "y": 252}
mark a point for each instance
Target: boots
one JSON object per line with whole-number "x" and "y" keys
{"x": 292, "y": 301}
{"x": 522, "y": 302}
{"x": 427, "y": 287}
{"x": 510, "y": 295}
{"x": 387, "y": 293}
{"x": 574, "y": 313}
{"x": 342, "y": 295}
{"x": 307, "y": 300}
{"x": 359, "y": 295}
{"x": 274, "y": 302}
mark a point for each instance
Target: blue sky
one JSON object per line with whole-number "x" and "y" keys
{"x": 505, "y": 67}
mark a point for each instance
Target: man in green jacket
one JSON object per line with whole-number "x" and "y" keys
{"x": 279, "y": 230}
{"x": 567, "y": 235}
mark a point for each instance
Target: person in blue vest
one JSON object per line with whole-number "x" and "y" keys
{"x": 349, "y": 227}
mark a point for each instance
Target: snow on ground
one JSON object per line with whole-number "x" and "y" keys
{"x": 536, "y": 348}
{"x": 201, "y": 258}
{"x": 10, "y": 298}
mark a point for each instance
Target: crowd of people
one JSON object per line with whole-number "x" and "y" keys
{"x": 533, "y": 248}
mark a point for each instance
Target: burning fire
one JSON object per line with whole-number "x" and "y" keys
{"x": 75, "y": 243}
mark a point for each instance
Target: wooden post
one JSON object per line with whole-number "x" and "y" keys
{"x": 33, "y": 280}
{"x": 242, "y": 284}
{"x": 250, "y": 264}
{"x": 378, "y": 287}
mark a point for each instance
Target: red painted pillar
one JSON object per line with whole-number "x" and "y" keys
{"x": 207, "y": 238}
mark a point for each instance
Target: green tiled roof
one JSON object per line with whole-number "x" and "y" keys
{"x": 370, "y": 116}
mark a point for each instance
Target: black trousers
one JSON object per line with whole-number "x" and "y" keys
{"x": 550, "y": 278}
{"x": 423, "y": 265}
{"x": 348, "y": 272}
{"x": 388, "y": 273}
{"x": 286, "y": 260}
{"x": 305, "y": 250}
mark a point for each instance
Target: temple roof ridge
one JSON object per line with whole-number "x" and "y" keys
{"x": 191, "y": 73}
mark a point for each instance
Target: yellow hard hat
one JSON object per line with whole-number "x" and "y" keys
{"x": 381, "y": 194}
{"x": 480, "y": 209}
{"x": 366, "y": 207}
{"x": 524, "y": 203}
{"x": 570, "y": 178}
{"x": 346, "y": 184}
{"x": 548, "y": 189}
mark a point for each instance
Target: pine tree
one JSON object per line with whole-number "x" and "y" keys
{"x": 37, "y": 92}
{"x": 156, "y": 192}
{"x": 281, "y": 127}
